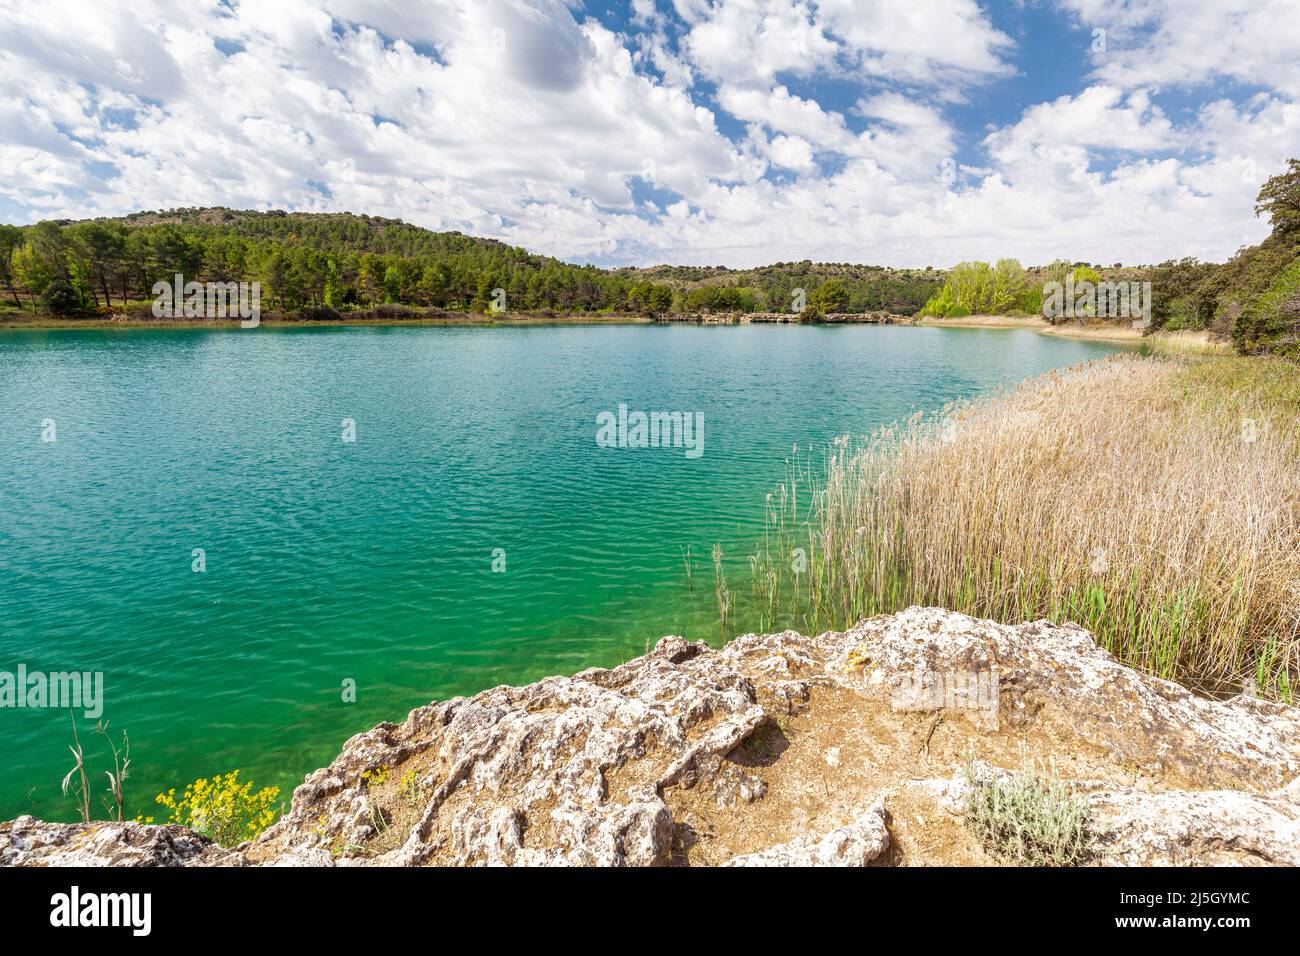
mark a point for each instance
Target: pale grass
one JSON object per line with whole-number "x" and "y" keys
{"x": 1036, "y": 322}
{"x": 1124, "y": 495}
{"x": 1098, "y": 330}
{"x": 1187, "y": 342}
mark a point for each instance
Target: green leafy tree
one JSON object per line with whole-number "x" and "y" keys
{"x": 273, "y": 274}
{"x": 11, "y": 238}
{"x": 99, "y": 248}
{"x": 31, "y": 271}
{"x": 1271, "y": 322}
{"x": 1006, "y": 286}
{"x": 661, "y": 299}
{"x": 976, "y": 288}
{"x": 371, "y": 276}
{"x": 1280, "y": 199}
{"x": 291, "y": 255}
{"x": 831, "y": 296}
{"x": 436, "y": 280}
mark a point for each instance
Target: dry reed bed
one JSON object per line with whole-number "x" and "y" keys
{"x": 1159, "y": 511}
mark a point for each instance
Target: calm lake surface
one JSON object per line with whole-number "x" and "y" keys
{"x": 372, "y": 560}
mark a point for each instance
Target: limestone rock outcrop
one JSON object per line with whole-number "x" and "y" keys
{"x": 29, "y": 842}
{"x": 846, "y": 748}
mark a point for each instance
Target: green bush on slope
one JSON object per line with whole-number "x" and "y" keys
{"x": 1271, "y": 323}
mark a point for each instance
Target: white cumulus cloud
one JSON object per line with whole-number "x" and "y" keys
{"x": 736, "y": 131}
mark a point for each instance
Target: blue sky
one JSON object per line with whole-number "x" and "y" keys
{"x": 1051, "y": 59}
{"x": 736, "y": 132}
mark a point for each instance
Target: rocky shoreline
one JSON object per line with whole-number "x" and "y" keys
{"x": 788, "y": 318}
{"x": 779, "y": 749}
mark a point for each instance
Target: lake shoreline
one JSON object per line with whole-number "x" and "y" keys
{"x": 49, "y": 323}
{"x": 1101, "y": 332}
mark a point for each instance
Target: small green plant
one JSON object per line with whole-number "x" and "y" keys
{"x": 411, "y": 788}
{"x": 1033, "y": 820}
{"x": 75, "y": 784}
{"x": 223, "y": 808}
{"x": 375, "y": 778}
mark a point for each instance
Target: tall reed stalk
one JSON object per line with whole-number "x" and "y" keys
{"x": 1155, "y": 502}
{"x": 721, "y": 591}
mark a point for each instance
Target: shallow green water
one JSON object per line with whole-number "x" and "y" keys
{"x": 372, "y": 560}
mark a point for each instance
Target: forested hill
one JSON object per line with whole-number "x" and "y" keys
{"x": 342, "y": 261}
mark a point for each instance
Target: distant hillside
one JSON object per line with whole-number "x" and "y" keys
{"x": 321, "y": 265}
{"x": 321, "y": 262}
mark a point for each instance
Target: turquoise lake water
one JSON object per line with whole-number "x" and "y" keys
{"x": 372, "y": 560}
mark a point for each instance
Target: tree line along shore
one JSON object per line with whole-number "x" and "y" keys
{"x": 332, "y": 267}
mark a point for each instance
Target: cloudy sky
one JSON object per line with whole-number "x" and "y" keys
{"x": 737, "y": 132}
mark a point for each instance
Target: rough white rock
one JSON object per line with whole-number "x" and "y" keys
{"x": 1207, "y": 827}
{"x": 855, "y": 844}
{"x": 29, "y": 842}
{"x": 515, "y": 762}
{"x": 1056, "y": 676}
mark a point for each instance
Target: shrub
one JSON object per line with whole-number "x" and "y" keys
{"x": 1183, "y": 291}
{"x": 1086, "y": 274}
{"x": 228, "y": 811}
{"x": 1271, "y": 323}
{"x": 1184, "y": 313}
{"x": 1080, "y": 275}
{"x": 1031, "y": 820}
{"x": 60, "y": 298}
{"x": 1280, "y": 199}
{"x": 1030, "y": 301}
{"x": 938, "y": 304}
{"x": 319, "y": 314}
